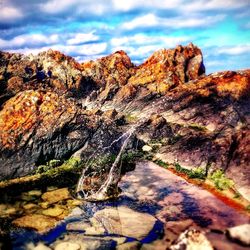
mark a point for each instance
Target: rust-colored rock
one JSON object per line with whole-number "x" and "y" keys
{"x": 168, "y": 68}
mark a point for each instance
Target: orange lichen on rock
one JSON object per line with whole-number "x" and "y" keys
{"x": 110, "y": 70}
{"x": 234, "y": 84}
{"x": 223, "y": 84}
{"x": 168, "y": 68}
{"x": 22, "y": 114}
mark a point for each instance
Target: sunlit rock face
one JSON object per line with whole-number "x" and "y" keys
{"x": 169, "y": 68}
{"x": 51, "y": 106}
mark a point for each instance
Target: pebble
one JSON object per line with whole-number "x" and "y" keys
{"x": 29, "y": 206}
{"x": 135, "y": 245}
{"x": 67, "y": 246}
{"x": 147, "y": 148}
{"x": 54, "y": 212}
{"x": 192, "y": 239}
{"x": 240, "y": 233}
{"x": 35, "y": 193}
{"x": 39, "y": 246}
{"x": 56, "y": 195}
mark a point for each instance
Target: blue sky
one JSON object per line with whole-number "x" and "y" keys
{"x": 89, "y": 29}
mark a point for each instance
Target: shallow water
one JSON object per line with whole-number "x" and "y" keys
{"x": 158, "y": 195}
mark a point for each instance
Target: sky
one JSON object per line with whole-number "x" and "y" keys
{"x": 90, "y": 29}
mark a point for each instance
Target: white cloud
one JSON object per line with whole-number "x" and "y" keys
{"x": 234, "y": 50}
{"x": 138, "y": 52}
{"x": 126, "y": 5}
{"x": 28, "y": 40}
{"x": 151, "y": 20}
{"x": 97, "y": 7}
{"x": 74, "y": 50}
{"x": 142, "y": 39}
{"x": 79, "y": 38}
{"x": 9, "y": 13}
{"x": 204, "y": 5}
{"x": 181, "y": 5}
{"x": 57, "y": 6}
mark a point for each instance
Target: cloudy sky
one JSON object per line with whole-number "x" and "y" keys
{"x": 88, "y": 29}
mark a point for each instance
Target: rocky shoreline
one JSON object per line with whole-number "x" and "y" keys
{"x": 52, "y": 107}
{"x": 59, "y": 117}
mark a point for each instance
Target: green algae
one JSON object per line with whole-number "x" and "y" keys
{"x": 220, "y": 181}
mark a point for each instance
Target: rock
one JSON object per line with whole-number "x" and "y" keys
{"x": 75, "y": 202}
{"x": 15, "y": 84}
{"x": 167, "y": 68}
{"x": 29, "y": 206}
{"x": 35, "y": 193}
{"x": 39, "y": 246}
{"x": 76, "y": 212}
{"x": 192, "y": 240}
{"x": 240, "y": 233}
{"x": 118, "y": 240}
{"x": 147, "y": 148}
{"x": 78, "y": 226}
{"x": 129, "y": 246}
{"x": 44, "y": 205}
{"x": 11, "y": 210}
{"x": 125, "y": 221}
{"x": 39, "y": 222}
{"x": 67, "y": 246}
{"x": 27, "y": 197}
{"x": 3, "y": 208}
{"x": 110, "y": 114}
{"x": 241, "y": 158}
{"x": 56, "y": 195}
{"x": 24, "y": 111}
{"x": 174, "y": 228}
{"x": 53, "y": 212}
{"x": 52, "y": 107}
{"x": 85, "y": 242}
{"x": 157, "y": 244}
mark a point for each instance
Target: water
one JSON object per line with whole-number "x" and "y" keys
{"x": 148, "y": 190}
{"x": 108, "y": 188}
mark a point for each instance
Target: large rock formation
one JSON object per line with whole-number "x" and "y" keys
{"x": 51, "y": 106}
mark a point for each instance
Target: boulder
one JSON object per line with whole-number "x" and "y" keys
{"x": 192, "y": 240}
{"x": 240, "y": 233}
{"x": 39, "y": 222}
{"x": 125, "y": 221}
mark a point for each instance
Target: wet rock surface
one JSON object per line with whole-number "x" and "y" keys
{"x": 41, "y": 223}
{"x": 192, "y": 239}
{"x": 124, "y": 221}
{"x": 240, "y": 233}
{"x": 142, "y": 218}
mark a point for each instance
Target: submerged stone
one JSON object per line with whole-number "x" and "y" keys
{"x": 39, "y": 222}
{"x": 135, "y": 245}
{"x": 56, "y": 195}
{"x": 29, "y": 206}
{"x": 67, "y": 246}
{"x": 79, "y": 241}
{"x": 39, "y": 246}
{"x": 192, "y": 240}
{"x": 240, "y": 233}
{"x": 35, "y": 193}
{"x": 53, "y": 212}
{"x": 125, "y": 221}
{"x": 147, "y": 148}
